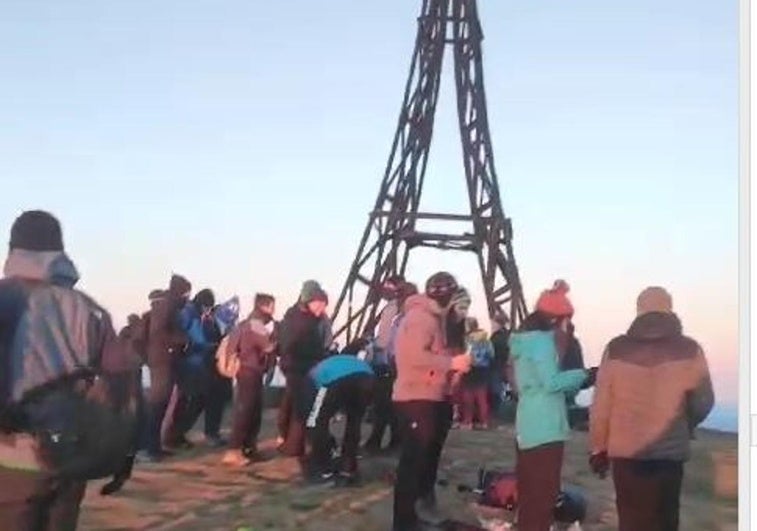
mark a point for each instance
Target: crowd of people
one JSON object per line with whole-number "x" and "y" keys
{"x": 429, "y": 367}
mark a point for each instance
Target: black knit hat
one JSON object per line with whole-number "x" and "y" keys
{"x": 36, "y": 230}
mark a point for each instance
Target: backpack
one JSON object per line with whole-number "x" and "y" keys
{"x": 227, "y": 360}
{"x": 60, "y": 394}
{"x": 481, "y": 353}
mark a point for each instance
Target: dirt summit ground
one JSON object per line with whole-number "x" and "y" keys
{"x": 195, "y": 492}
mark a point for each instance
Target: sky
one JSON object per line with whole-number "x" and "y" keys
{"x": 242, "y": 145}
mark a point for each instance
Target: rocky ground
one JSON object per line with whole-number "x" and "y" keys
{"x": 195, "y": 492}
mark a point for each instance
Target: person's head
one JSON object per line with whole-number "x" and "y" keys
{"x": 37, "y": 231}
{"x": 654, "y": 299}
{"x": 407, "y": 290}
{"x": 179, "y": 287}
{"x": 132, "y": 319}
{"x": 204, "y": 300}
{"x": 391, "y": 287}
{"x": 460, "y": 304}
{"x": 309, "y": 287}
{"x": 554, "y": 301}
{"x": 440, "y": 287}
{"x": 538, "y": 321}
{"x": 265, "y": 304}
{"x": 471, "y": 325}
{"x": 317, "y": 302}
{"x": 500, "y": 321}
{"x": 156, "y": 295}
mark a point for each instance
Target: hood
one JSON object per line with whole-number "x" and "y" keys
{"x": 179, "y": 286}
{"x": 48, "y": 266}
{"x": 478, "y": 335}
{"x": 655, "y": 325}
{"x": 422, "y": 302}
{"x": 521, "y": 343}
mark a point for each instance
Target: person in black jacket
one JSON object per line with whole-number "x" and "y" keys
{"x": 499, "y": 339}
{"x": 301, "y": 347}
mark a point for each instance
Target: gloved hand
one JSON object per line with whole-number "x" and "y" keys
{"x": 119, "y": 478}
{"x": 591, "y": 378}
{"x": 600, "y": 464}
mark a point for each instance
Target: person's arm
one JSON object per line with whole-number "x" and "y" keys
{"x": 601, "y": 408}
{"x": 556, "y": 381}
{"x": 701, "y": 399}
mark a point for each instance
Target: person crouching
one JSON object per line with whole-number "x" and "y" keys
{"x": 338, "y": 383}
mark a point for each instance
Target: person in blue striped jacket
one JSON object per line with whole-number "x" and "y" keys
{"x": 339, "y": 383}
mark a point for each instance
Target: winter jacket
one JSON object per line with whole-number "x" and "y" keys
{"x": 541, "y": 417}
{"x": 422, "y": 358}
{"x": 253, "y": 344}
{"x": 48, "y": 330}
{"x": 385, "y": 324}
{"x": 301, "y": 343}
{"x": 336, "y": 368}
{"x": 166, "y": 339}
{"x": 653, "y": 388}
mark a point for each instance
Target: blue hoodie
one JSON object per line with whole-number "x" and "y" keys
{"x": 542, "y": 415}
{"x": 338, "y": 367}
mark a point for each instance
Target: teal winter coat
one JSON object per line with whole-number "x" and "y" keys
{"x": 542, "y": 415}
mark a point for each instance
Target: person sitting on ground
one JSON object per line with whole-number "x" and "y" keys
{"x": 474, "y": 384}
{"x": 253, "y": 342}
{"x": 653, "y": 389}
{"x": 541, "y": 422}
{"x": 339, "y": 383}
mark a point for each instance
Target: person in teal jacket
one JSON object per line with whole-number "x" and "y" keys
{"x": 541, "y": 423}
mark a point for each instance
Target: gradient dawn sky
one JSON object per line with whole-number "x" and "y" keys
{"x": 241, "y": 143}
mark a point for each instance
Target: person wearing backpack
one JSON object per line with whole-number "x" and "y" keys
{"x": 254, "y": 346}
{"x": 60, "y": 425}
{"x": 474, "y": 384}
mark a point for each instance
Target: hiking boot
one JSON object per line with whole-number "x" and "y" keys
{"x": 428, "y": 511}
{"x": 481, "y": 426}
{"x": 466, "y": 427}
{"x": 182, "y": 443}
{"x": 149, "y": 458}
{"x": 321, "y": 478}
{"x": 235, "y": 458}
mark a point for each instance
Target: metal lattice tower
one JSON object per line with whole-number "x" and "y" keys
{"x": 392, "y": 230}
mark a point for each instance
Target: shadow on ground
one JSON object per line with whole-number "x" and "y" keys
{"x": 195, "y": 492}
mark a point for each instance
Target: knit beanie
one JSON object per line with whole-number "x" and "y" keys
{"x": 654, "y": 299}
{"x": 554, "y": 301}
{"x": 309, "y": 288}
{"x": 36, "y": 230}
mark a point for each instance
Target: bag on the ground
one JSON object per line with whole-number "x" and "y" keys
{"x": 81, "y": 434}
{"x": 227, "y": 360}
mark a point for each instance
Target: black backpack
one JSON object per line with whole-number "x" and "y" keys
{"x": 82, "y": 434}
{"x": 83, "y": 419}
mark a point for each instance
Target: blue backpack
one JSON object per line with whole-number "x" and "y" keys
{"x": 482, "y": 353}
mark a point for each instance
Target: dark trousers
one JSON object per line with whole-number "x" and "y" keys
{"x": 248, "y": 410}
{"x": 30, "y": 502}
{"x": 538, "y": 471}
{"x": 285, "y": 411}
{"x": 424, "y": 426}
{"x": 294, "y": 437}
{"x": 210, "y": 397}
{"x": 647, "y": 494}
{"x": 474, "y": 403}
{"x": 162, "y": 381}
{"x": 384, "y": 415}
{"x": 350, "y": 395}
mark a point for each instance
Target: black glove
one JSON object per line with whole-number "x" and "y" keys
{"x": 591, "y": 378}
{"x": 119, "y": 478}
{"x": 600, "y": 464}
